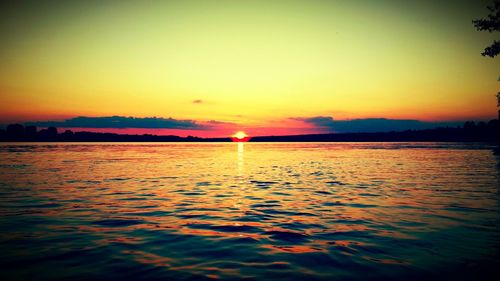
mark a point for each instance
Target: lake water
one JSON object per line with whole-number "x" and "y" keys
{"x": 256, "y": 211}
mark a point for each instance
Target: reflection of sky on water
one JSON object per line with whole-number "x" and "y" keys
{"x": 196, "y": 209}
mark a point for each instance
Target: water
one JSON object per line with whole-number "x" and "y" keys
{"x": 256, "y": 211}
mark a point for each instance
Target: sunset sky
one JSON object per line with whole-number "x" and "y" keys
{"x": 209, "y": 68}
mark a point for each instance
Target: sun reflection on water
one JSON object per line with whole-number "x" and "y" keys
{"x": 241, "y": 150}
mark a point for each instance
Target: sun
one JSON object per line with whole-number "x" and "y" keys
{"x": 240, "y": 136}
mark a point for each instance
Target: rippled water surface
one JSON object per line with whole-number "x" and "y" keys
{"x": 257, "y": 211}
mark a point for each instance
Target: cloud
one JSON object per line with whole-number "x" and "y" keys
{"x": 121, "y": 122}
{"x": 198, "y": 101}
{"x": 217, "y": 123}
{"x": 369, "y": 125}
{"x": 318, "y": 121}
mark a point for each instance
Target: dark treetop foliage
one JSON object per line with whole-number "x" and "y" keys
{"x": 490, "y": 23}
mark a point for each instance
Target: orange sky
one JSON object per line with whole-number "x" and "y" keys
{"x": 252, "y": 65}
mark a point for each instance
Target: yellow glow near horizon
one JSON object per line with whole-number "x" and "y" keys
{"x": 240, "y": 135}
{"x": 246, "y": 62}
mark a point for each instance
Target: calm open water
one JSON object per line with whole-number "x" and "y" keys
{"x": 257, "y": 211}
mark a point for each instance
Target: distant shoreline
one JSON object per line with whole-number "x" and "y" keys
{"x": 470, "y": 132}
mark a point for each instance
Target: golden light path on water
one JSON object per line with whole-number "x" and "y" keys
{"x": 241, "y": 150}
{"x": 190, "y": 211}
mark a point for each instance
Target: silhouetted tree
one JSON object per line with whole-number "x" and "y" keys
{"x": 469, "y": 125}
{"x": 491, "y": 23}
{"x": 15, "y": 130}
{"x": 68, "y": 135}
{"x": 30, "y": 131}
{"x": 52, "y": 131}
{"x": 481, "y": 126}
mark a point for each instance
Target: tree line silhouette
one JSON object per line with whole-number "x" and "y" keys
{"x": 470, "y": 131}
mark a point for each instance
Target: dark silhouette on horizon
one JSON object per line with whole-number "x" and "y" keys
{"x": 469, "y": 132}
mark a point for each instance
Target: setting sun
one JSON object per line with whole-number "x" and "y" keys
{"x": 239, "y": 136}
